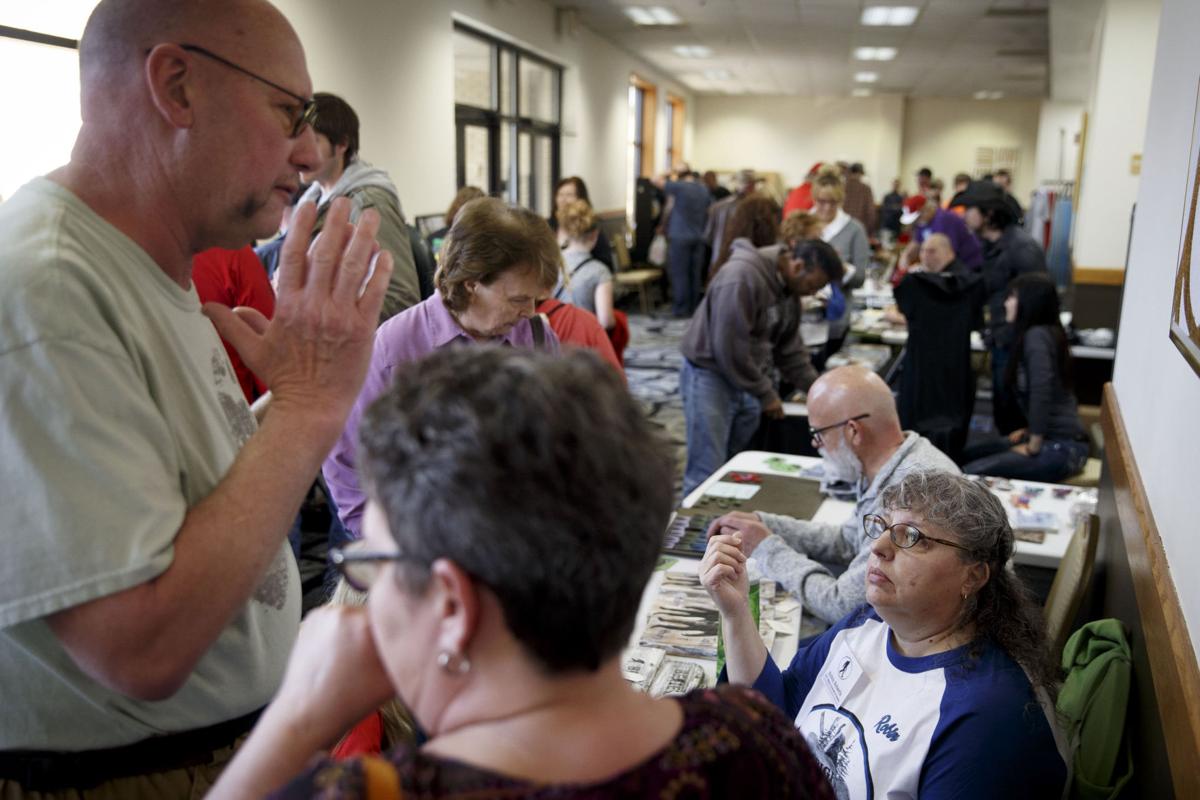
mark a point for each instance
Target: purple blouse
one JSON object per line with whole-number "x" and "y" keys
{"x": 412, "y": 334}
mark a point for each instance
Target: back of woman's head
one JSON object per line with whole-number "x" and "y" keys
{"x": 1037, "y": 300}
{"x": 755, "y": 218}
{"x": 800, "y": 225}
{"x": 489, "y": 237}
{"x": 1038, "y": 305}
{"x": 539, "y": 476}
{"x": 577, "y": 219}
{"x": 1001, "y": 610}
{"x": 464, "y": 196}
{"x": 820, "y": 255}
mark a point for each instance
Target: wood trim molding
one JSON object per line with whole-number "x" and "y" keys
{"x": 1173, "y": 664}
{"x": 1098, "y": 276}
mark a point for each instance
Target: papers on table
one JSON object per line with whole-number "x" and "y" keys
{"x": 736, "y": 491}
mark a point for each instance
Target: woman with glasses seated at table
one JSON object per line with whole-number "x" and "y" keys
{"x": 941, "y": 686}
{"x": 517, "y": 508}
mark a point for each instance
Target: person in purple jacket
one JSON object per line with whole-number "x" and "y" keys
{"x": 928, "y": 218}
{"x": 942, "y": 685}
{"x": 496, "y": 261}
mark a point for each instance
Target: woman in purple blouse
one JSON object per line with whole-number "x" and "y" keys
{"x": 496, "y": 261}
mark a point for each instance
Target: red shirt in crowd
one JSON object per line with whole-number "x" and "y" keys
{"x": 577, "y": 326}
{"x": 235, "y": 278}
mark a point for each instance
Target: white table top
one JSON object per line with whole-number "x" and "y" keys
{"x": 1046, "y": 554}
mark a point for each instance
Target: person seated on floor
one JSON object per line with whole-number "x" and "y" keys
{"x": 1054, "y": 446}
{"x": 856, "y": 429}
{"x": 942, "y": 684}
{"x": 517, "y": 507}
{"x": 497, "y": 261}
{"x": 747, "y": 327}
{"x": 941, "y": 307}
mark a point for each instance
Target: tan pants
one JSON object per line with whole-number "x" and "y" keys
{"x": 186, "y": 783}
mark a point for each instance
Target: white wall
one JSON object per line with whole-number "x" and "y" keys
{"x": 943, "y": 134}
{"x": 393, "y": 61}
{"x": 1159, "y": 393}
{"x": 788, "y": 134}
{"x": 1057, "y": 141}
{"x": 1116, "y": 126}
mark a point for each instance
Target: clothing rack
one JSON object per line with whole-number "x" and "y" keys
{"x": 1049, "y": 219}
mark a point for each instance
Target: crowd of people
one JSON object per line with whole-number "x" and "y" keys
{"x": 172, "y": 394}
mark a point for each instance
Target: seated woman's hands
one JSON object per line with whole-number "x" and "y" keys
{"x": 723, "y": 573}
{"x": 748, "y": 524}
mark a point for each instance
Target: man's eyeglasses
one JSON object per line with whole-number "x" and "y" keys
{"x": 301, "y": 115}
{"x": 816, "y": 432}
{"x": 903, "y": 535}
{"x": 360, "y": 569}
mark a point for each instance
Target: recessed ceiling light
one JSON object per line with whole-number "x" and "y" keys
{"x": 861, "y": 93}
{"x": 874, "y": 53}
{"x": 889, "y": 15}
{"x": 692, "y": 51}
{"x": 866, "y": 77}
{"x": 651, "y": 15}
{"x": 984, "y": 94}
{"x": 718, "y": 74}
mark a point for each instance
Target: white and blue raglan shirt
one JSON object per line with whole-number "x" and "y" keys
{"x": 953, "y": 724}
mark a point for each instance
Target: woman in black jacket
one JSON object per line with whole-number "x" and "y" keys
{"x": 1054, "y": 445}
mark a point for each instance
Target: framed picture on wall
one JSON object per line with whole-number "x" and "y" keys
{"x": 1185, "y": 329}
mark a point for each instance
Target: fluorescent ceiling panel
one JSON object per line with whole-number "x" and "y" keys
{"x": 866, "y": 77}
{"x": 889, "y": 15}
{"x": 861, "y": 93}
{"x": 692, "y": 51}
{"x": 652, "y": 15}
{"x": 874, "y": 53}
{"x": 718, "y": 74}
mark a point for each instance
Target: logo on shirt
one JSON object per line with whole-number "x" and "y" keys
{"x": 887, "y": 728}
{"x": 844, "y": 669}
{"x": 835, "y": 738}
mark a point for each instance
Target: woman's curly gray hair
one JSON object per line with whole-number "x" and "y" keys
{"x": 1002, "y": 610}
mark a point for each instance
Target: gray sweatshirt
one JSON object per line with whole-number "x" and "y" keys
{"x": 748, "y": 322}
{"x": 370, "y": 187}
{"x": 790, "y": 555}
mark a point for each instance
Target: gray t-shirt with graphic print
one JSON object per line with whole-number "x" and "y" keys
{"x": 120, "y": 411}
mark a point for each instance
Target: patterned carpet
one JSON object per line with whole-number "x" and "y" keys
{"x": 652, "y": 363}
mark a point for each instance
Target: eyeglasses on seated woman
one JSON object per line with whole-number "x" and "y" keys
{"x": 941, "y": 685}
{"x": 517, "y": 502}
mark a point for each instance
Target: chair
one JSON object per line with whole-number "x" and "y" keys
{"x": 639, "y": 279}
{"x": 1071, "y": 581}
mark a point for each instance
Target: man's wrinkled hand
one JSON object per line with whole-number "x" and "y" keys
{"x": 314, "y": 353}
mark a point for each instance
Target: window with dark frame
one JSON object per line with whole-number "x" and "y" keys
{"x": 508, "y": 119}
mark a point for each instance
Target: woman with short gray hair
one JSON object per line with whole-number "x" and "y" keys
{"x": 516, "y": 514}
{"x": 942, "y": 684}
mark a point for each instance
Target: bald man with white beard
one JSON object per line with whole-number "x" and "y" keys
{"x": 857, "y": 431}
{"x": 148, "y": 599}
